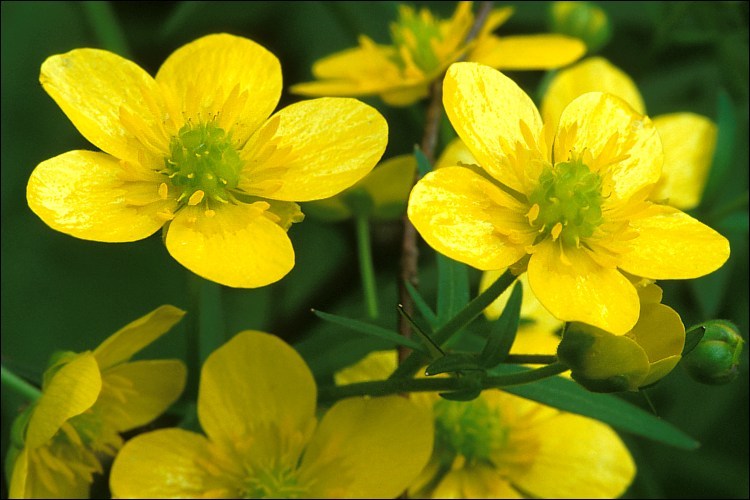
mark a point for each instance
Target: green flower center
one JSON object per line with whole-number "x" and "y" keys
{"x": 203, "y": 163}
{"x": 567, "y": 202}
{"x": 471, "y": 430}
{"x": 415, "y": 33}
{"x": 274, "y": 483}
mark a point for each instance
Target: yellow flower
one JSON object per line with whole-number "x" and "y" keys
{"x": 570, "y": 205}
{"x": 256, "y": 404}
{"x": 194, "y": 150}
{"x": 688, "y": 139}
{"x": 503, "y": 446}
{"x": 87, "y": 400}
{"x": 603, "y": 362}
{"x": 421, "y": 50}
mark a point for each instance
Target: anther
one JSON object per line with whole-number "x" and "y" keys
{"x": 196, "y": 197}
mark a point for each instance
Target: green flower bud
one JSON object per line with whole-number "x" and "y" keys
{"x": 582, "y": 20}
{"x": 716, "y": 358}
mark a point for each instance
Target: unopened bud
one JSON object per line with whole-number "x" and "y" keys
{"x": 582, "y": 20}
{"x": 716, "y": 358}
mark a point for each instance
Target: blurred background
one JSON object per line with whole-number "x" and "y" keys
{"x": 59, "y": 292}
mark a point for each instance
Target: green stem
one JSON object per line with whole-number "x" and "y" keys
{"x": 108, "y": 32}
{"x": 473, "y": 309}
{"x": 531, "y": 359}
{"x": 206, "y": 331}
{"x": 19, "y": 385}
{"x": 366, "y": 268}
{"x": 330, "y": 394}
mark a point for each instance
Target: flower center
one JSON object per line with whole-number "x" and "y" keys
{"x": 471, "y": 430}
{"x": 274, "y": 482}
{"x": 202, "y": 163}
{"x": 567, "y": 202}
{"x": 415, "y": 35}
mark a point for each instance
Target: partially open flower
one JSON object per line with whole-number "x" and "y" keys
{"x": 603, "y": 362}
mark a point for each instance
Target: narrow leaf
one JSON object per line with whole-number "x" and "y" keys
{"x": 724, "y": 154}
{"x": 692, "y": 337}
{"x": 372, "y": 330}
{"x": 423, "y": 164}
{"x": 453, "y": 363}
{"x": 453, "y": 288}
{"x": 568, "y": 396}
{"x": 422, "y": 306}
{"x": 431, "y": 347}
{"x": 503, "y": 332}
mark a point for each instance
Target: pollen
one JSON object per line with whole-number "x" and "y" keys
{"x": 196, "y": 198}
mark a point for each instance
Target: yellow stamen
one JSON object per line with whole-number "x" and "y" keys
{"x": 556, "y": 231}
{"x": 196, "y": 197}
{"x": 533, "y": 213}
{"x": 163, "y": 190}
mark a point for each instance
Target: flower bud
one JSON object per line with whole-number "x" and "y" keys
{"x": 716, "y": 358}
{"x": 582, "y": 20}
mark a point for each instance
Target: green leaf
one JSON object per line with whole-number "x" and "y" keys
{"x": 503, "y": 332}
{"x": 423, "y": 164}
{"x": 467, "y": 395}
{"x": 568, "y": 396}
{"x": 422, "y": 306}
{"x": 373, "y": 330}
{"x": 432, "y": 348}
{"x": 724, "y": 155}
{"x": 453, "y": 288}
{"x": 692, "y": 337}
{"x": 453, "y": 363}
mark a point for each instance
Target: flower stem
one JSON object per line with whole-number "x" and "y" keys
{"x": 19, "y": 385}
{"x": 206, "y": 331}
{"x": 108, "y": 32}
{"x": 366, "y": 268}
{"x": 330, "y": 394}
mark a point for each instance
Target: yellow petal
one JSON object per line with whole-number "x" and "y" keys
{"x": 659, "y": 332}
{"x": 131, "y": 338}
{"x": 81, "y": 193}
{"x": 455, "y": 153}
{"x": 673, "y": 245}
{"x": 623, "y": 144}
{"x": 389, "y": 185}
{"x": 314, "y": 149}
{"x": 458, "y": 213}
{"x": 52, "y": 477}
{"x": 496, "y": 18}
{"x": 134, "y": 394}
{"x": 377, "y": 365}
{"x": 368, "y": 448}
{"x": 173, "y": 463}
{"x": 495, "y": 118}
{"x": 224, "y": 74}
{"x": 660, "y": 369}
{"x": 474, "y": 481}
{"x": 594, "y": 74}
{"x": 251, "y": 382}
{"x": 71, "y": 391}
{"x": 19, "y": 477}
{"x": 238, "y": 246}
{"x": 577, "y": 458}
{"x": 92, "y": 86}
{"x": 689, "y": 142}
{"x": 582, "y": 290}
{"x": 528, "y": 52}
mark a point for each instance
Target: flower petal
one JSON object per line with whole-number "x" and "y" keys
{"x": 689, "y": 142}
{"x": 623, "y": 145}
{"x": 224, "y": 74}
{"x": 577, "y": 458}
{"x": 93, "y": 87}
{"x": 496, "y": 119}
{"x": 673, "y": 245}
{"x": 594, "y": 74}
{"x": 459, "y": 214}
{"x": 368, "y": 448}
{"x": 134, "y": 394}
{"x": 251, "y": 382}
{"x": 51, "y": 477}
{"x": 314, "y": 149}
{"x": 82, "y": 193}
{"x": 474, "y": 481}
{"x": 72, "y": 390}
{"x": 238, "y": 246}
{"x": 172, "y": 463}
{"x": 581, "y": 290}
{"x": 131, "y": 338}
{"x": 528, "y": 52}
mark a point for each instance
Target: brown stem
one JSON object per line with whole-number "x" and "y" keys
{"x": 409, "y": 249}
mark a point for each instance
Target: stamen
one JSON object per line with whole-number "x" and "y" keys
{"x": 196, "y": 198}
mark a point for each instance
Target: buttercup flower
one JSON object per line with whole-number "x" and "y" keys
{"x": 256, "y": 403}
{"x": 87, "y": 400}
{"x": 423, "y": 47}
{"x": 603, "y": 362}
{"x": 194, "y": 150}
{"x": 568, "y": 203}
{"x": 503, "y": 446}
{"x": 688, "y": 139}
